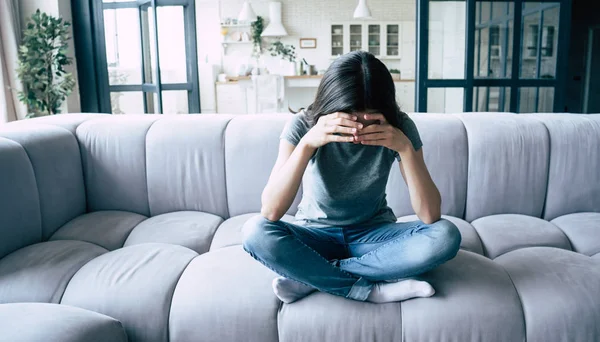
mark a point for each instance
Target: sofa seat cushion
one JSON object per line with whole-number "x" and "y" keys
{"x": 229, "y": 232}
{"x": 108, "y": 229}
{"x": 133, "y": 284}
{"x": 504, "y": 233}
{"x": 225, "y": 295}
{"x": 191, "y": 229}
{"x": 34, "y": 322}
{"x": 470, "y": 239}
{"x": 41, "y": 272}
{"x": 474, "y": 301}
{"x": 583, "y": 230}
{"x": 559, "y": 291}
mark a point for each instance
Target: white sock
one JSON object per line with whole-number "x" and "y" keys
{"x": 289, "y": 291}
{"x": 399, "y": 291}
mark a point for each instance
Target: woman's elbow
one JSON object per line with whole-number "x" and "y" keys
{"x": 430, "y": 215}
{"x": 271, "y": 214}
{"x": 429, "y": 218}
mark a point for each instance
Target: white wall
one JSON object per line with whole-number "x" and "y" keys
{"x": 59, "y": 8}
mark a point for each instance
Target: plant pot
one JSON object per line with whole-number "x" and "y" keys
{"x": 287, "y": 68}
{"x": 396, "y": 77}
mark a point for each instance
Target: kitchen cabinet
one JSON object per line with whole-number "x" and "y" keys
{"x": 383, "y": 39}
{"x": 231, "y": 98}
{"x": 405, "y": 95}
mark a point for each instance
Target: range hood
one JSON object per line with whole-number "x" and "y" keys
{"x": 275, "y": 27}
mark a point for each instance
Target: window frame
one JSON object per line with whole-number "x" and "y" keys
{"x": 469, "y": 82}
{"x": 88, "y": 24}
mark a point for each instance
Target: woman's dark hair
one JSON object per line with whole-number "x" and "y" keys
{"x": 355, "y": 82}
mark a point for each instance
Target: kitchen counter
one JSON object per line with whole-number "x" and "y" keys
{"x": 237, "y": 94}
{"x": 234, "y": 79}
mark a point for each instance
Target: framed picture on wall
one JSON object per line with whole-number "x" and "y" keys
{"x": 308, "y": 43}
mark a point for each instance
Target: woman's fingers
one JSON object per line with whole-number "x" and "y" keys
{"x": 340, "y": 138}
{"x": 373, "y": 136}
{"x": 340, "y": 129}
{"x": 346, "y": 122}
{"x": 376, "y": 116}
{"x": 373, "y": 129}
{"x": 374, "y": 142}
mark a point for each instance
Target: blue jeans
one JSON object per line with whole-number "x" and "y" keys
{"x": 348, "y": 261}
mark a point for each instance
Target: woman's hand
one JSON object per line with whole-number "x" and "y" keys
{"x": 383, "y": 134}
{"x": 324, "y": 132}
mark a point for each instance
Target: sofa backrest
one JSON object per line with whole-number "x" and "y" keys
{"x": 41, "y": 183}
{"x": 574, "y": 167}
{"x": 53, "y": 169}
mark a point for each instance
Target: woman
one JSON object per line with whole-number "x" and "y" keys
{"x": 345, "y": 239}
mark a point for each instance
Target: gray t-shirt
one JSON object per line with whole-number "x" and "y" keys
{"x": 344, "y": 183}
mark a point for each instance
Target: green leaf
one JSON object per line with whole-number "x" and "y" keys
{"x": 41, "y": 58}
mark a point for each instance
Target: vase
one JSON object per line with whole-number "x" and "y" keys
{"x": 287, "y": 68}
{"x": 291, "y": 69}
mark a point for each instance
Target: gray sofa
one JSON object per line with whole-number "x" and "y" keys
{"x": 138, "y": 218}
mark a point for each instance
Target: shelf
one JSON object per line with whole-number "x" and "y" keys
{"x": 337, "y": 34}
{"x": 237, "y": 25}
{"x": 226, "y": 43}
{"x": 396, "y": 58}
{"x": 235, "y": 42}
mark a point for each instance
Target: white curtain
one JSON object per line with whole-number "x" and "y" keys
{"x": 10, "y": 36}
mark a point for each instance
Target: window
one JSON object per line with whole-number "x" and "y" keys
{"x": 490, "y": 55}
{"x": 143, "y": 56}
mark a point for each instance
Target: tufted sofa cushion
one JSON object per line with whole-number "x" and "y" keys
{"x": 139, "y": 218}
{"x": 32, "y": 322}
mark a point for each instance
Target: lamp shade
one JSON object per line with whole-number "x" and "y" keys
{"x": 247, "y": 13}
{"x": 362, "y": 11}
{"x": 275, "y": 27}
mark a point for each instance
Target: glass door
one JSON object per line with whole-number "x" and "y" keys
{"x": 496, "y": 55}
{"x": 151, "y": 56}
{"x": 493, "y": 55}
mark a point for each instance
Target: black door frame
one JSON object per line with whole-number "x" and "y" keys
{"x": 92, "y": 67}
{"x": 469, "y": 82}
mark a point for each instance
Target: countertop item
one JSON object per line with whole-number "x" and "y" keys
{"x": 234, "y": 79}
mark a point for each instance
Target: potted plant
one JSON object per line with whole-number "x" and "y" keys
{"x": 287, "y": 53}
{"x": 257, "y": 29}
{"x": 42, "y": 58}
{"x": 395, "y": 74}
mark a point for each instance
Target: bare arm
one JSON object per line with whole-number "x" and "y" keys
{"x": 286, "y": 176}
{"x": 424, "y": 195}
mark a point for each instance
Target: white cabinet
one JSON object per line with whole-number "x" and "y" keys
{"x": 383, "y": 39}
{"x": 405, "y": 95}
{"x": 231, "y": 99}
